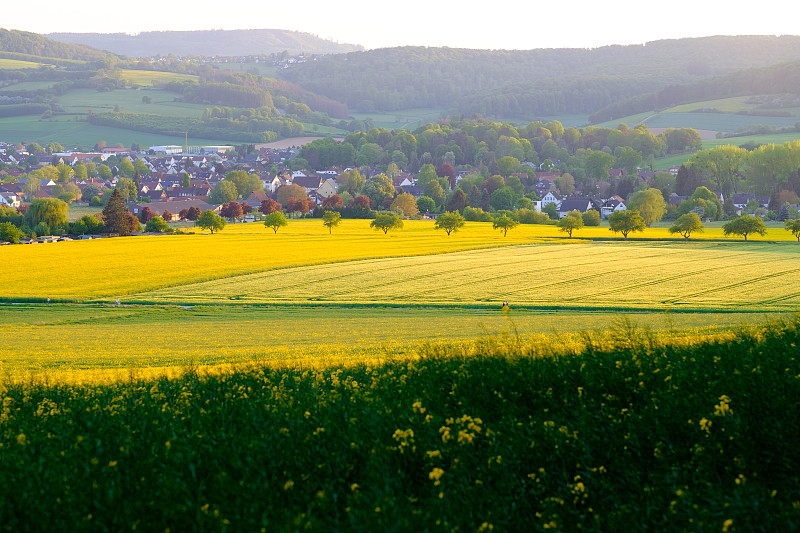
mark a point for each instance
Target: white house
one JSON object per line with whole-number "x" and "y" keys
{"x": 615, "y": 203}
{"x": 9, "y": 199}
{"x": 551, "y": 198}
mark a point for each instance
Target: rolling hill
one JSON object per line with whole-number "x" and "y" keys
{"x": 207, "y": 43}
{"x": 531, "y": 83}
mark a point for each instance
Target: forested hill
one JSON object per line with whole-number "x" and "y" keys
{"x": 778, "y": 80}
{"x": 207, "y": 43}
{"x": 33, "y": 44}
{"x": 526, "y": 84}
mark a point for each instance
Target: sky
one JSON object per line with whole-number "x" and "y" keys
{"x": 499, "y": 24}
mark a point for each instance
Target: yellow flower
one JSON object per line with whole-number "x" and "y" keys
{"x": 726, "y": 525}
{"x": 21, "y": 439}
{"x": 436, "y": 475}
{"x": 288, "y": 485}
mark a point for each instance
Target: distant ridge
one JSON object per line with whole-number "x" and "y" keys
{"x": 207, "y": 42}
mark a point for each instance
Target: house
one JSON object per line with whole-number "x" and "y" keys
{"x": 9, "y": 199}
{"x": 741, "y": 200}
{"x": 574, "y": 203}
{"x": 310, "y": 183}
{"x": 676, "y": 199}
{"x": 328, "y": 188}
{"x": 615, "y": 203}
{"x": 551, "y": 198}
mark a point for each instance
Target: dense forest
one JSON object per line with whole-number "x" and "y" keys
{"x": 520, "y": 84}
{"x": 207, "y": 43}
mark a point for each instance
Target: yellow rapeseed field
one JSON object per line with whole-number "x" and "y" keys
{"x": 106, "y": 269}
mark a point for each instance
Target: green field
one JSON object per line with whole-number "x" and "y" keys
{"x": 649, "y": 276}
{"x": 130, "y": 100}
{"x": 70, "y": 132}
{"x": 27, "y": 86}
{"x": 409, "y": 119}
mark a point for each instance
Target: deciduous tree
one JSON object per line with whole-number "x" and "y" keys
{"x": 331, "y": 219}
{"x": 687, "y": 224}
{"x": 650, "y": 204}
{"x": 211, "y": 221}
{"x": 626, "y": 222}
{"x": 386, "y": 221}
{"x": 745, "y": 225}
{"x": 275, "y": 220}
{"x": 793, "y": 225}
{"x": 571, "y": 222}
{"x": 449, "y": 222}
{"x": 504, "y": 223}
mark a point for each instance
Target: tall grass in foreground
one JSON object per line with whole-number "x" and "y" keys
{"x": 626, "y": 431}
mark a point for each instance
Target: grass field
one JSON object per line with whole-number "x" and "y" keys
{"x": 27, "y": 86}
{"x": 70, "y": 132}
{"x": 163, "y": 102}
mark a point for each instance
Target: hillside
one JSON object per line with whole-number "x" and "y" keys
{"x": 782, "y": 80}
{"x": 25, "y": 45}
{"x": 207, "y": 43}
{"x": 532, "y": 83}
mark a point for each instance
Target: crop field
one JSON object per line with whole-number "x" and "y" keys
{"x": 151, "y": 77}
{"x": 251, "y": 249}
{"x": 622, "y": 431}
{"x": 587, "y": 276}
{"x": 15, "y": 64}
{"x": 100, "y": 342}
{"x": 361, "y": 381}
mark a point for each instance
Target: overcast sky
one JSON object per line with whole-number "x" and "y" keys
{"x": 486, "y": 25}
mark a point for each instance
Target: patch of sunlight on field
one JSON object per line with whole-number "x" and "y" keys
{"x": 593, "y": 275}
{"x": 91, "y": 342}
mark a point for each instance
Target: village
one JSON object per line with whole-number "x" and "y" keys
{"x": 172, "y": 181}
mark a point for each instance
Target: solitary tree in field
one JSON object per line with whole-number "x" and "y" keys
{"x": 744, "y": 226}
{"x": 331, "y": 219}
{"x": 505, "y": 223}
{"x": 211, "y": 221}
{"x": 626, "y": 222}
{"x": 686, "y": 225}
{"x": 449, "y": 222}
{"x": 794, "y": 227}
{"x": 571, "y": 222}
{"x": 386, "y": 221}
{"x": 275, "y": 220}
